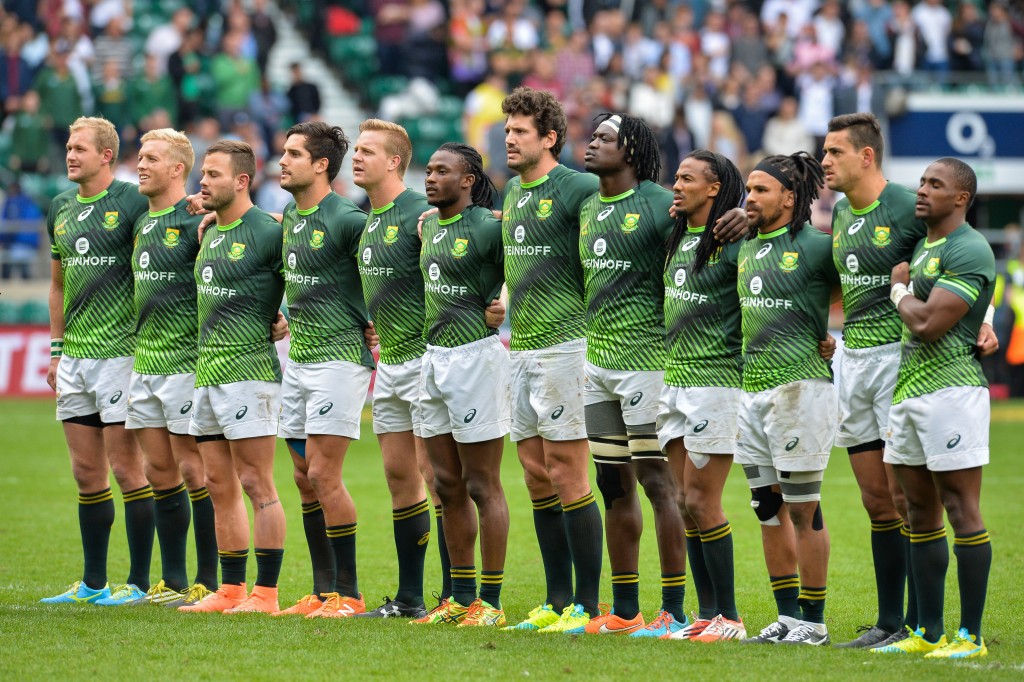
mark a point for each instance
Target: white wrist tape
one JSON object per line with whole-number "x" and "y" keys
{"x": 897, "y": 293}
{"x": 989, "y": 315}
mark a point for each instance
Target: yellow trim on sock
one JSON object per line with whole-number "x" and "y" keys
{"x": 200, "y": 494}
{"x": 716, "y": 533}
{"x": 886, "y": 526}
{"x": 415, "y": 510}
{"x": 930, "y": 536}
{"x": 342, "y": 531}
{"x": 580, "y": 503}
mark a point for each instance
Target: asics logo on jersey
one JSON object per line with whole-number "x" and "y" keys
{"x": 216, "y": 242}
{"x": 700, "y": 426}
{"x": 520, "y": 234}
{"x": 186, "y": 407}
{"x": 953, "y": 442}
{"x": 855, "y": 227}
{"x": 298, "y": 227}
{"x": 86, "y": 213}
{"x": 144, "y": 260}
{"x": 920, "y": 258}
{"x": 241, "y": 412}
{"x": 605, "y": 213}
{"x": 792, "y": 444}
{"x": 600, "y": 246}
{"x": 326, "y": 408}
{"x": 523, "y": 199}
{"x": 756, "y": 286}
{"x": 440, "y": 235}
{"x": 469, "y": 416}
{"x": 765, "y": 250}
{"x": 82, "y": 246}
{"x": 373, "y": 225}
{"x": 852, "y": 264}
{"x": 558, "y": 412}
{"x": 367, "y": 254}
{"x": 691, "y": 244}
{"x": 114, "y": 398}
{"x": 149, "y": 226}
{"x": 635, "y": 400}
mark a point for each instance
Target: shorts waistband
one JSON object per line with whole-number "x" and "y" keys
{"x": 471, "y": 348}
{"x": 872, "y": 353}
{"x": 566, "y": 347}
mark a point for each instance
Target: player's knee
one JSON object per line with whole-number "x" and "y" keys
{"x": 962, "y": 514}
{"x": 193, "y": 475}
{"x": 255, "y": 486}
{"x": 323, "y": 479}
{"x": 877, "y": 503}
{"x": 482, "y": 489}
{"x": 609, "y": 482}
{"x": 766, "y": 504}
{"x": 448, "y": 485}
{"x": 656, "y": 480}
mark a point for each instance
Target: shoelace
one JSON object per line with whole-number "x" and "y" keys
{"x": 715, "y": 627}
{"x": 772, "y": 630}
{"x": 663, "y": 620}
{"x": 119, "y": 591}
{"x": 196, "y": 592}
{"x": 800, "y": 633}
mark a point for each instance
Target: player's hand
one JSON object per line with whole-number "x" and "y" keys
{"x": 279, "y": 329}
{"x": 370, "y": 336}
{"x": 672, "y": 212}
{"x": 900, "y": 274}
{"x": 732, "y": 226}
{"x": 494, "y": 314}
{"x": 827, "y": 347}
{"x": 195, "y": 204}
{"x": 207, "y": 220}
{"x": 423, "y": 216}
{"x": 988, "y": 342}
{"x": 51, "y": 373}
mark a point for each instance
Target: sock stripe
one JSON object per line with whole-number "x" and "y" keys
{"x": 783, "y": 582}
{"x": 974, "y": 540}
{"x": 545, "y": 503}
{"x": 164, "y": 494}
{"x": 138, "y": 494}
{"x": 311, "y": 507}
{"x": 411, "y": 511}
{"x": 692, "y": 533}
{"x": 716, "y": 533}
{"x": 464, "y": 572}
{"x": 905, "y": 531}
{"x": 198, "y": 494}
{"x": 96, "y": 498}
{"x": 886, "y": 526}
{"x": 580, "y": 503}
{"x": 625, "y": 578}
{"x": 228, "y": 553}
{"x": 673, "y": 580}
{"x": 812, "y": 593}
{"x": 341, "y": 531}
{"x": 268, "y": 552}
{"x": 930, "y": 536}
{"x": 491, "y": 577}
{"x": 438, "y": 509}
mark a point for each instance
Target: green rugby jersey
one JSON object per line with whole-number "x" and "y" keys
{"x": 702, "y": 316}
{"x": 540, "y": 231}
{"x": 389, "y": 265}
{"x": 164, "y": 261}
{"x": 239, "y": 286}
{"x": 462, "y": 267}
{"x": 866, "y": 244}
{"x": 622, "y": 248}
{"x": 92, "y": 239}
{"x": 326, "y": 312}
{"x": 961, "y": 263}
{"x": 785, "y": 284}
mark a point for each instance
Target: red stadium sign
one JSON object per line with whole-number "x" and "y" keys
{"x": 24, "y": 360}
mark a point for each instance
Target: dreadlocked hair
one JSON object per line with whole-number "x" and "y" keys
{"x": 718, "y": 169}
{"x": 806, "y": 177}
{"x": 484, "y": 191}
{"x": 642, "y": 151}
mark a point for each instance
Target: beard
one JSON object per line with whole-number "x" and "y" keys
{"x": 763, "y": 218}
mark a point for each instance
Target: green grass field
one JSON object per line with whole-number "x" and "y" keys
{"x": 40, "y": 554}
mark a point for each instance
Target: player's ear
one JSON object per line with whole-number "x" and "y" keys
{"x": 790, "y": 199}
{"x": 715, "y": 188}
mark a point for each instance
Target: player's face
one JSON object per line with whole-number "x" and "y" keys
{"x": 84, "y": 157}
{"x": 938, "y": 196}
{"x": 693, "y": 190}
{"x": 446, "y": 181}
{"x": 297, "y": 166}
{"x": 155, "y": 168}
{"x": 769, "y": 204}
{"x": 370, "y": 161}
{"x": 524, "y": 146}
{"x": 604, "y": 156}
{"x": 219, "y": 185}
{"x": 842, "y": 163}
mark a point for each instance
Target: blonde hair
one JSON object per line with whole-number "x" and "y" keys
{"x": 396, "y": 141}
{"x": 178, "y": 147}
{"x": 104, "y": 134}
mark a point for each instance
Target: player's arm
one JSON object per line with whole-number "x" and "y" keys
{"x": 56, "y": 304}
{"x": 930, "y": 319}
{"x": 732, "y": 226}
{"x": 988, "y": 342}
{"x": 279, "y": 328}
{"x": 494, "y": 314}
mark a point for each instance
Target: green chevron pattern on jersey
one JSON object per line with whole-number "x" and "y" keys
{"x": 326, "y": 311}
{"x": 785, "y": 284}
{"x": 92, "y": 239}
{"x": 463, "y": 270}
{"x": 389, "y": 265}
{"x": 164, "y": 262}
{"x": 540, "y": 232}
{"x": 622, "y": 248}
{"x": 702, "y": 316}
{"x": 961, "y": 263}
{"x": 239, "y": 290}
{"x": 866, "y": 244}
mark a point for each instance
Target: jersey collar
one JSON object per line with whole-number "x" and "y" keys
{"x": 772, "y": 235}
{"x": 229, "y": 226}
{"x": 386, "y": 207}
{"x": 531, "y": 185}
{"x": 92, "y": 199}
{"x": 163, "y": 211}
{"x": 696, "y": 230}
{"x": 608, "y": 200}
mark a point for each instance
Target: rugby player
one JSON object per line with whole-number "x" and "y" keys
{"x": 787, "y": 414}
{"x": 939, "y": 424}
{"x": 92, "y": 329}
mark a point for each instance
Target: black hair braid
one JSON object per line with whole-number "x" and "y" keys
{"x": 642, "y": 151}
{"x": 730, "y": 194}
{"x": 483, "y": 191}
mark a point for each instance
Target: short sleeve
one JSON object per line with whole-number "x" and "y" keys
{"x": 967, "y": 268}
{"x": 50, "y": 218}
